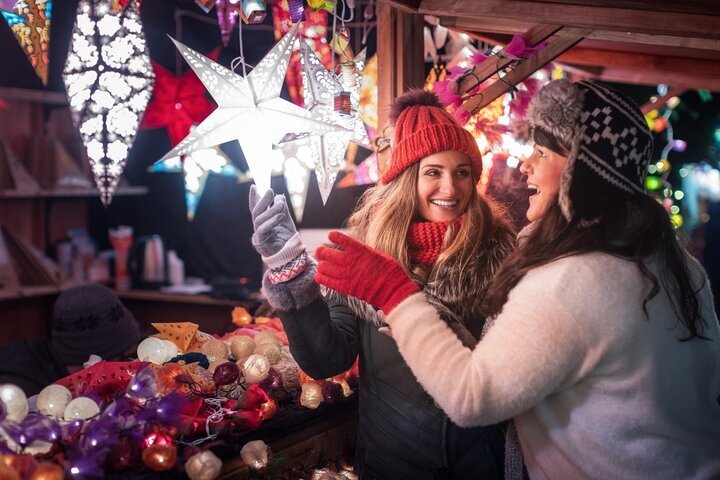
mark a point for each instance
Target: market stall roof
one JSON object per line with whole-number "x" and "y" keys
{"x": 629, "y": 41}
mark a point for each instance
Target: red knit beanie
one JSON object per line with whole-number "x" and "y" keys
{"x": 423, "y": 127}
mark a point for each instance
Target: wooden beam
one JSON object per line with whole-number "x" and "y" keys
{"x": 638, "y": 61}
{"x": 486, "y": 69}
{"x": 605, "y": 17}
{"x": 400, "y": 61}
{"x": 407, "y": 6}
{"x": 641, "y": 77}
{"x": 565, "y": 39}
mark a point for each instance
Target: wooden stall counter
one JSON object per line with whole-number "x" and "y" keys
{"x": 212, "y": 315}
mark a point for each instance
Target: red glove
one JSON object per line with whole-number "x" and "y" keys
{"x": 363, "y": 272}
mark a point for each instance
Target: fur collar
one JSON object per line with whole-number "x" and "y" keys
{"x": 455, "y": 290}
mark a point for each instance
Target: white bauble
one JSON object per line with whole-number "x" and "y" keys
{"x": 256, "y": 368}
{"x": 203, "y": 465}
{"x": 52, "y": 400}
{"x": 81, "y": 408}
{"x": 171, "y": 350}
{"x": 154, "y": 350}
{"x": 15, "y": 401}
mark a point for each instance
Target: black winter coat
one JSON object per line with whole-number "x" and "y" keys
{"x": 402, "y": 433}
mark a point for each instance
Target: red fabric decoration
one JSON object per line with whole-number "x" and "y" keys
{"x": 363, "y": 272}
{"x": 314, "y": 31}
{"x": 103, "y": 379}
{"x": 178, "y": 102}
{"x": 3, "y": 104}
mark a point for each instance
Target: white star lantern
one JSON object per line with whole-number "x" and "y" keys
{"x": 109, "y": 82}
{"x": 196, "y": 169}
{"x": 249, "y": 109}
{"x": 321, "y": 86}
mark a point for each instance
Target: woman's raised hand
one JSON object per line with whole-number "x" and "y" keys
{"x": 355, "y": 269}
{"x": 273, "y": 226}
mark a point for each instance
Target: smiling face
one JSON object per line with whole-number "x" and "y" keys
{"x": 444, "y": 186}
{"x": 543, "y": 169}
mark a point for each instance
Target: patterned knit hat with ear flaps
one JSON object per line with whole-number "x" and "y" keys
{"x": 423, "y": 127}
{"x": 611, "y": 145}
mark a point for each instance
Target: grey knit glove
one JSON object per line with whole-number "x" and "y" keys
{"x": 275, "y": 237}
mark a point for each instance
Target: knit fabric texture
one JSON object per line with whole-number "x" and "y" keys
{"x": 611, "y": 145}
{"x": 426, "y": 241}
{"x": 423, "y": 130}
{"x": 90, "y": 319}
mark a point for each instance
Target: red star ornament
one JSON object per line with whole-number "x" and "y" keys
{"x": 178, "y": 102}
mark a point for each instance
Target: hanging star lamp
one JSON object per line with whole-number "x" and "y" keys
{"x": 109, "y": 82}
{"x": 29, "y": 21}
{"x": 178, "y": 102}
{"x": 322, "y": 91}
{"x": 250, "y": 109}
{"x": 196, "y": 169}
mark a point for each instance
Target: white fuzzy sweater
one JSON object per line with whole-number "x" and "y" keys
{"x": 597, "y": 389}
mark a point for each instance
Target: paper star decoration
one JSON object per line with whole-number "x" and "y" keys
{"x": 295, "y": 161}
{"x": 196, "y": 168}
{"x": 29, "y": 21}
{"x": 178, "y": 102}
{"x": 109, "y": 83}
{"x": 321, "y": 86}
{"x": 250, "y": 109}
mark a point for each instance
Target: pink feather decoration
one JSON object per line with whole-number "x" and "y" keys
{"x": 518, "y": 48}
{"x": 447, "y": 93}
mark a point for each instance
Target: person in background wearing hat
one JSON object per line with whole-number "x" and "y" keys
{"x": 428, "y": 215}
{"x": 87, "y": 320}
{"x": 604, "y": 346}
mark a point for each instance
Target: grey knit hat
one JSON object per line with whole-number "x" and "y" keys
{"x": 610, "y": 145}
{"x": 90, "y": 319}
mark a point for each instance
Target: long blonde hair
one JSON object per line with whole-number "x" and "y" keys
{"x": 384, "y": 213}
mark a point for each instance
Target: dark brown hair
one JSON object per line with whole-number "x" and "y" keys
{"x": 633, "y": 229}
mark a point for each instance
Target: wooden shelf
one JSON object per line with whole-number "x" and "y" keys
{"x": 35, "y": 96}
{"x": 71, "y": 193}
{"x": 157, "y": 296}
{"x": 31, "y": 291}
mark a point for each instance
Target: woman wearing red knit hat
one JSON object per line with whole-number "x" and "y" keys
{"x": 428, "y": 216}
{"x": 604, "y": 344}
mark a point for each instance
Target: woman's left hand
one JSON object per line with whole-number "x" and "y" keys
{"x": 363, "y": 272}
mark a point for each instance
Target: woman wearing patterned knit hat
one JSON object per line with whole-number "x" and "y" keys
{"x": 427, "y": 215}
{"x": 604, "y": 346}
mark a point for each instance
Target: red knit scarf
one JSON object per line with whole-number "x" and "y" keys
{"x": 426, "y": 241}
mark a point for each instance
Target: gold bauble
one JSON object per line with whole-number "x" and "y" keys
{"x": 241, "y": 347}
{"x": 311, "y": 396}
{"x": 270, "y": 350}
{"x": 215, "y": 350}
{"x": 203, "y": 465}
{"x": 266, "y": 337}
{"x": 7, "y": 473}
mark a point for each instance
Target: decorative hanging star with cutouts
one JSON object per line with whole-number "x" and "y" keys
{"x": 196, "y": 169}
{"x": 178, "y": 103}
{"x": 250, "y": 109}
{"x": 320, "y": 88}
{"x": 109, "y": 83}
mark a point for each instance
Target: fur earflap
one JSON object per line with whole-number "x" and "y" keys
{"x": 413, "y": 98}
{"x": 556, "y": 109}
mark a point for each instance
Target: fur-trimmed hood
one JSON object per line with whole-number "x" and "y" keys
{"x": 456, "y": 291}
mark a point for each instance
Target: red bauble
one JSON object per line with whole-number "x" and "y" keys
{"x": 225, "y": 374}
{"x": 268, "y": 409}
{"x": 332, "y": 393}
{"x": 160, "y": 457}
{"x": 157, "y": 438}
{"x": 122, "y": 456}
